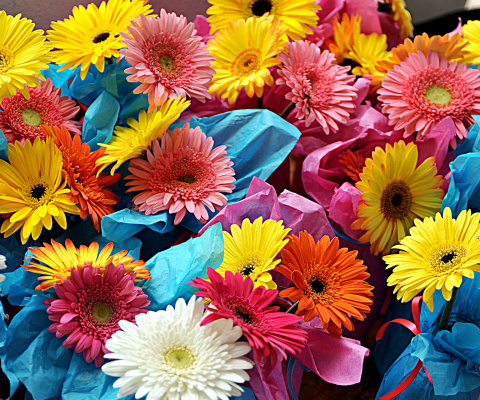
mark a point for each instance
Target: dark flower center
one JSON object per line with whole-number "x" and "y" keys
{"x": 243, "y": 316}
{"x": 187, "y": 178}
{"x": 396, "y": 200}
{"x": 448, "y": 257}
{"x": 2, "y": 59}
{"x": 248, "y": 269}
{"x": 349, "y": 62}
{"x": 318, "y": 286}
{"x": 261, "y": 7}
{"x": 38, "y": 191}
{"x": 385, "y": 8}
{"x": 101, "y": 38}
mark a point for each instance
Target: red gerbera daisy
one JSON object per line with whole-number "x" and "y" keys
{"x": 91, "y": 304}
{"x": 86, "y": 188}
{"x": 22, "y": 119}
{"x": 265, "y": 328}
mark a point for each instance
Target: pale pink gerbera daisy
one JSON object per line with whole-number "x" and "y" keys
{"x": 167, "y": 58}
{"x": 91, "y": 304}
{"x": 182, "y": 174}
{"x": 321, "y": 90}
{"x": 22, "y": 119}
{"x": 421, "y": 91}
{"x": 265, "y": 328}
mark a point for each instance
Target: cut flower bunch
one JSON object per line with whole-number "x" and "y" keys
{"x": 189, "y": 209}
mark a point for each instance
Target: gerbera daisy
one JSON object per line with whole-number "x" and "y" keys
{"x": 86, "y": 188}
{"x": 168, "y": 354}
{"x": 92, "y": 34}
{"x": 436, "y": 254}
{"x": 329, "y": 282}
{"x": 401, "y": 16}
{"x": 341, "y": 42}
{"x": 471, "y": 32}
{"x": 251, "y": 250}
{"x": 243, "y": 52}
{"x": 321, "y": 90}
{"x": 167, "y": 59}
{"x": 354, "y": 161}
{"x": 90, "y": 306}
{"x": 127, "y": 143}
{"x": 23, "y": 54}
{"x": 422, "y": 91}
{"x": 266, "y": 329}
{"x": 58, "y": 261}
{"x": 296, "y": 15}
{"x": 33, "y": 190}
{"x": 22, "y": 119}
{"x": 395, "y": 192}
{"x": 451, "y": 46}
{"x": 2, "y": 266}
{"x": 182, "y": 173}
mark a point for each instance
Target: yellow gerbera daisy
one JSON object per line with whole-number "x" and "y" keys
{"x": 128, "y": 143}
{"x": 243, "y": 52}
{"x": 435, "y": 256}
{"x": 342, "y": 40}
{"x": 471, "y": 32}
{"x": 296, "y": 15}
{"x": 395, "y": 192}
{"x": 33, "y": 189}
{"x": 252, "y": 248}
{"x": 23, "y": 53}
{"x": 92, "y": 34}
{"x": 58, "y": 261}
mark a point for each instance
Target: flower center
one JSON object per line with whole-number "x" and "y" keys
{"x": 102, "y": 312}
{"x": 6, "y": 59}
{"x": 247, "y": 62}
{"x": 323, "y": 284}
{"x": 187, "y": 178}
{"x": 260, "y": 7}
{"x": 38, "y": 191}
{"x": 247, "y": 266}
{"x": 101, "y": 37}
{"x": 165, "y": 62}
{"x": 318, "y": 286}
{"x": 31, "y": 117}
{"x": 447, "y": 259}
{"x": 438, "y": 95}
{"x": 179, "y": 358}
{"x": 396, "y": 200}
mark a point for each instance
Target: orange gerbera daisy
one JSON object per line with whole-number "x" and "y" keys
{"x": 353, "y": 162}
{"x": 58, "y": 261}
{"x": 342, "y": 40}
{"x": 86, "y": 188}
{"x": 451, "y": 47}
{"x": 329, "y": 282}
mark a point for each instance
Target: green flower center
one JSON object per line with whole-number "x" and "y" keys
{"x": 102, "y": 312}
{"x": 438, "y": 95}
{"x": 165, "y": 62}
{"x": 179, "y": 358}
{"x": 31, "y": 117}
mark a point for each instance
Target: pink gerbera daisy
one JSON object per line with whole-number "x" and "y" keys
{"x": 422, "y": 91}
{"x": 22, "y": 119}
{"x": 321, "y": 90}
{"x": 167, "y": 58}
{"x": 91, "y": 304}
{"x": 265, "y": 328}
{"x": 182, "y": 174}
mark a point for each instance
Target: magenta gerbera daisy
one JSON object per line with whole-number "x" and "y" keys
{"x": 167, "y": 58}
{"x": 91, "y": 304}
{"x": 421, "y": 91}
{"x": 265, "y": 328}
{"x": 182, "y": 173}
{"x": 22, "y": 119}
{"x": 321, "y": 90}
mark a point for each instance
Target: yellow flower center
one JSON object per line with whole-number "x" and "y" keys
{"x": 102, "y": 312}
{"x": 6, "y": 59}
{"x": 101, "y": 37}
{"x": 31, "y": 117}
{"x": 438, "y": 95}
{"x": 260, "y": 7}
{"x": 247, "y": 62}
{"x": 396, "y": 200}
{"x": 248, "y": 265}
{"x": 37, "y": 193}
{"x": 446, "y": 259}
{"x": 179, "y": 357}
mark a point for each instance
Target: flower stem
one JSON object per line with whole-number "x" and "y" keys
{"x": 447, "y": 311}
{"x": 288, "y": 110}
{"x": 260, "y": 102}
{"x": 293, "y": 308}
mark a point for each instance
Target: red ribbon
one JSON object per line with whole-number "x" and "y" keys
{"x": 414, "y": 327}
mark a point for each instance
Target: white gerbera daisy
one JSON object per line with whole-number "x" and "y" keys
{"x": 168, "y": 355}
{"x": 2, "y": 266}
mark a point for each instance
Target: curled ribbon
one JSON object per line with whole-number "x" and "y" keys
{"x": 414, "y": 327}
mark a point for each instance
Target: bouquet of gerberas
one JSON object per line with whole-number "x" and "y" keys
{"x": 141, "y": 240}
